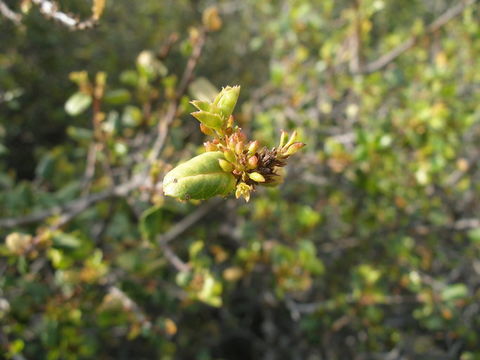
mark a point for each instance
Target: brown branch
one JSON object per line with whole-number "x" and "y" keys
{"x": 89, "y": 169}
{"x": 442, "y": 20}
{"x": 174, "y": 259}
{"x": 297, "y": 309}
{"x": 70, "y": 210}
{"x": 355, "y": 40}
{"x": 50, "y": 10}
{"x": 179, "y": 228}
{"x": 100, "y": 137}
{"x": 184, "y": 224}
{"x": 10, "y": 14}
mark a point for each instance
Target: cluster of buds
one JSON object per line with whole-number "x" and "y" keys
{"x": 250, "y": 164}
{"x": 246, "y": 163}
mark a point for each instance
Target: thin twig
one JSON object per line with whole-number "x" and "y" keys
{"x": 70, "y": 210}
{"x": 297, "y": 308}
{"x": 174, "y": 259}
{"x": 442, "y": 20}
{"x": 10, "y": 14}
{"x": 50, "y": 10}
{"x": 184, "y": 224}
{"x": 128, "y": 304}
{"x": 179, "y": 228}
{"x": 89, "y": 168}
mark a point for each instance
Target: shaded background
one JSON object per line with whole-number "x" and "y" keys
{"x": 370, "y": 248}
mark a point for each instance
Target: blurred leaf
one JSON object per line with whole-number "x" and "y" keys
{"x": 77, "y": 103}
{"x": 46, "y": 166}
{"x": 129, "y": 77}
{"x": 3, "y": 149}
{"x": 117, "y": 97}
{"x": 202, "y": 89}
{"x": 132, "y": 116}
{"x": 66, "y": 241}
{"x": 474, "y": 235}
{"x": 454, "y": 292}
{"x": 79, "y": 134}
{"x": 97, "y": 8}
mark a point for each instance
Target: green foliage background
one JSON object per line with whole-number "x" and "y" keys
{"x": 369, "y": 250}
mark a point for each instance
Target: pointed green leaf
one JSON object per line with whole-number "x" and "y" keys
{"x": 201, "y": 105}
{"x": 199, "y": 178}
{"x": 208, "y": 119}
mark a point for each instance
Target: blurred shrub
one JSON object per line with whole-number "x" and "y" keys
{"x": 368, "y": 250}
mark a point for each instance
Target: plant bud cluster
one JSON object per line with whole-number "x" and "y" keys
{"x": 248, "y": 162}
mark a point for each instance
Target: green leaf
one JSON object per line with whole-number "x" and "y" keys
{"x": 117, "y": 97}
{"x": 77, "y": 103}
{"x": 132, "y": 116}
{"x": 201, "y": 105}
{"x": 129, "y": 77}
{"x": 199, "y": 178}
{"x": 454, "y": 292}
{"x": 208, "y": 119}
{"x": 3, "y": 149}
{"x": 79, "y": 134}
{"x": 474, "y": 235}
{"x": 66, "y": 241}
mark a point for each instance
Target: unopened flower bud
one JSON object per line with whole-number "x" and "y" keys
{"x": 230, "y": 156}
{"x": 292, "y": 149}
{"x": 210, "y": 120}
{"x": 252, "y": 162}
{"x": 240, "y": 136}
{"x": 255, "y": 176}
{"x": 292, "y": 139}
{"x": 227, "y": 99}
{"x": 253, "y": 147}
{"x": 239, "y": 147}
{"x": 206, "y": 130}
{"x": 210, "y": 146}
{"x": 231, "y": 143}
{"x": 225, "y": 165}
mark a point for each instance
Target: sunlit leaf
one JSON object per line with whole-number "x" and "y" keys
{"x": 199, "y": 178}
{"x": 77, "y": 103}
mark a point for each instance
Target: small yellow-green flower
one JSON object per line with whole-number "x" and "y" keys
{"x": 243, "y": 190}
